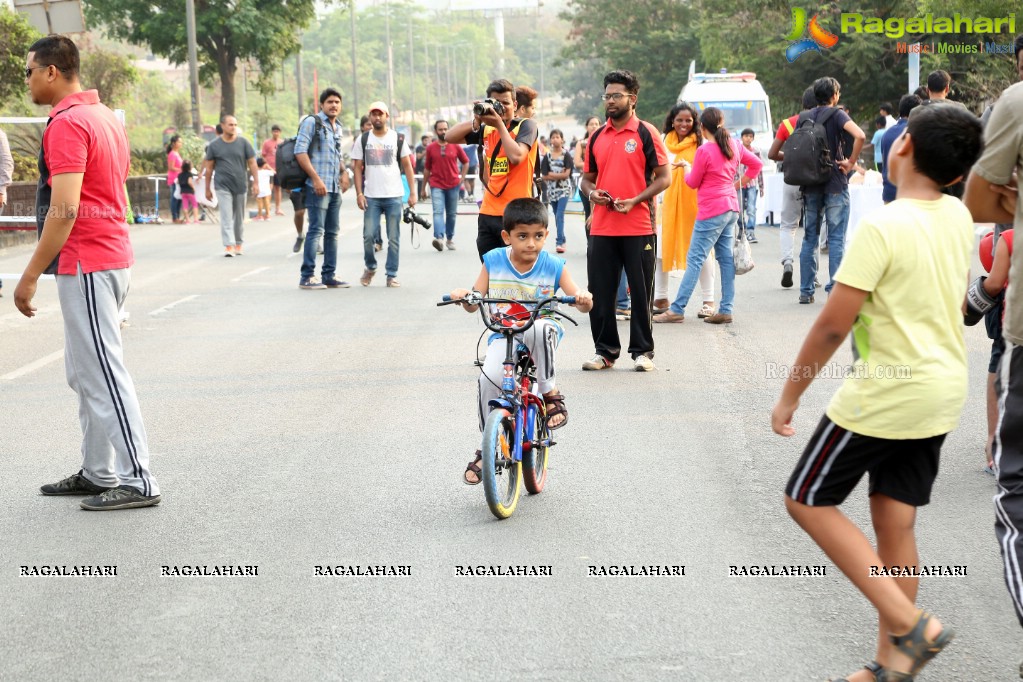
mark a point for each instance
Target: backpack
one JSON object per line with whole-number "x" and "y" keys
{"x": 289, "y": 174}
{"x": 808, "y": 159}
{"x": 401, "y": 140}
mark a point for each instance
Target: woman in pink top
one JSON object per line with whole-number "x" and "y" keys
{"x": 712, "y": 174}
{"x": 173, "y": 170}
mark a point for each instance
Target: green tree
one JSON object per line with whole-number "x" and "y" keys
{"x": 110, "y": 73}
{"x": 265, "y": 31}
{"x": 655, "y": 39}
{"x": 16, "y": 36}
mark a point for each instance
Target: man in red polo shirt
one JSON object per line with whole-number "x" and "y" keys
{"x": 440, "y": 172}
{"x": 625, "y": 167}
{"x": 83, "y": 239}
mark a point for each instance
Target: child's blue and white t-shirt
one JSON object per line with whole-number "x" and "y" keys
{"x": 541, "y": 281}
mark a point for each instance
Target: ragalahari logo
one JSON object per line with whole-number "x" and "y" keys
{"x": 819, "y": 37}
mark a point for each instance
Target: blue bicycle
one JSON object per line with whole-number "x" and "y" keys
{"x": 516, "y": 437}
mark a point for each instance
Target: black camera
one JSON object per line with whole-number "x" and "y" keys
{"x": 486, "y": 106}
{"x": 410, "y": 216}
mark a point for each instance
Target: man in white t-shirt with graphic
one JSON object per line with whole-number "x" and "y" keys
{"x": 379, "y": 162}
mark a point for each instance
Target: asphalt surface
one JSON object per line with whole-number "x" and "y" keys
{"x": 291, "y": 429}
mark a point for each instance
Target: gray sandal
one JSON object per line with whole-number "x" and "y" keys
{"x": 874, "y": 668}
{"x": 917, "y": 647}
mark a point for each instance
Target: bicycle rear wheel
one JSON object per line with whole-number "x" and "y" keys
{"x": 500, "y": 473}
{"x": 534, "y": 458}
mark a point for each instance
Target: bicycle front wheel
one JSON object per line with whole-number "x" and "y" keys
{"x": 501, "y": 473}
{"x": 534, "y": 457}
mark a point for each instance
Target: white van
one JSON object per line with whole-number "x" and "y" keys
{"x": 742, "y": 99}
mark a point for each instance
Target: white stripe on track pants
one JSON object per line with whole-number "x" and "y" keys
{"x": 114, "y": 446}
{"x": 1008, "y": 456}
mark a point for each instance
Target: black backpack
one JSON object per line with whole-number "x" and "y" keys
{"x": 808, "y": 159}
{"x": 289, "y": 174}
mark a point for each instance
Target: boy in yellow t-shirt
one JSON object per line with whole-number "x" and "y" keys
{"x": 899, "y": 291}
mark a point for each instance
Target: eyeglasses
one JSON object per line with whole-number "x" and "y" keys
{"x": 616, "y": 96}
{"x": 30, "y": 69}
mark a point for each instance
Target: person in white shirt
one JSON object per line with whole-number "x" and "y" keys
{"x": 380, "y": 157}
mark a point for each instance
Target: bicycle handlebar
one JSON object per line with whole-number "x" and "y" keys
{"x": 504, "y": 324}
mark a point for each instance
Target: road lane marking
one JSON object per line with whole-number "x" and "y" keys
{"x": 175, "y": 303}
{"x": 250, "y": 273}
{"x": 33, "y": 366}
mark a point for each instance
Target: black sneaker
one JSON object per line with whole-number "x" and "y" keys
{"x": 299, "y": 242}
{"x": 804, "y": 299}
{"x": 786, "y": 276}
{"x": 333, "y": 283}
{"x": 121, "y": 497}
{"x": 75, "y": 484}
{"x": 751, "y": 238}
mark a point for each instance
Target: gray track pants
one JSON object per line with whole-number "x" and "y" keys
{"x": 114, "y": 446}
{"x": 1008, "y": 455}
{"x": 232, "y": 217}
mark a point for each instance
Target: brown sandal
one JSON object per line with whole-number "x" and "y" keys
{"x": 555, "y": 405}
{"x": 474, "y": 467}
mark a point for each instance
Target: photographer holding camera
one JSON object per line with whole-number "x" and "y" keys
{"x": 509, "y": 156}
{"x": 380, "y": 156}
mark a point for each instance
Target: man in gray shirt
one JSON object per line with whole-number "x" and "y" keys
{"x": 233, "y": 158}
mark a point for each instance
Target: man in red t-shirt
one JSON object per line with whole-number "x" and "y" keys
{"x": 269, "y": 154}
{"x": 80, "y": 209}
{"x": 440, "y": 172}
{"x": 791, "y": 195}
{"x": 625, "y": 167}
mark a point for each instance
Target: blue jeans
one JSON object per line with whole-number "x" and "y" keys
{"x": 717, "y": 233}
{"x": 836, "y": 208}
{"x": 175, "y": 204}
{"x": 323, "y": 215}
{"x": 624, "y": 303}
{"x": 390, "y": 209}
{"x": 559, "y": 207}
{"x": 444, "y": 201}
{"x": 749, "y": 206}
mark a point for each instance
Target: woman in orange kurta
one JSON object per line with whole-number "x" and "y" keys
{"x": 678, "y": 208}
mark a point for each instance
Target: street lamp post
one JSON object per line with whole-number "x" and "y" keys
{"x": 355, "y": 83}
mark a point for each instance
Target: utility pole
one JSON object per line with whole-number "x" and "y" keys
{"x": 426, "y": 80}
{"x": 390, "y": 56}
{"x": 298, "y": 82}
{"x": 411, "y": 74}
{"x": 193, "y": 65}
{"x": 355, "y": 83}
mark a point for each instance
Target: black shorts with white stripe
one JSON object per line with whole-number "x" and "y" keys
{"x": 835, "y": 460}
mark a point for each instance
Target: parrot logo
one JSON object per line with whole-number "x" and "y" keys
{"x": 819, "y": 37}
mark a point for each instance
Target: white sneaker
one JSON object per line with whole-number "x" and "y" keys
{"x": 598, "y": 363}
{"x": 644, "y": 364}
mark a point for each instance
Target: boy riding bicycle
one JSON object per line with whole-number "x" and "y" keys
{"x": 523, "y": 271}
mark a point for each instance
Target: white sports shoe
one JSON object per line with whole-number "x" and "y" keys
{"x": 644, "y": 364}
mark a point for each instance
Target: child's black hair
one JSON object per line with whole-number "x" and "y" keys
{"x": 880, "y": 121}
{"x": 186, "y": 169}
{"x": 947, "y": 141}
{"x": 260, "y": 162}
{"x": 524, "y": 212}
{"x": 747, "y": 131}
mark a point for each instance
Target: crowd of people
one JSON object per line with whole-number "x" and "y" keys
{"x": 655, "y": 201}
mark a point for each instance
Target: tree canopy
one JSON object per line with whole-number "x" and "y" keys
{"x": 16, "y": 36}
{"x": 227, "y": 31}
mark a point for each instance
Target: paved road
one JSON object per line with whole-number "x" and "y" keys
{"x": 295, "y": 428}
